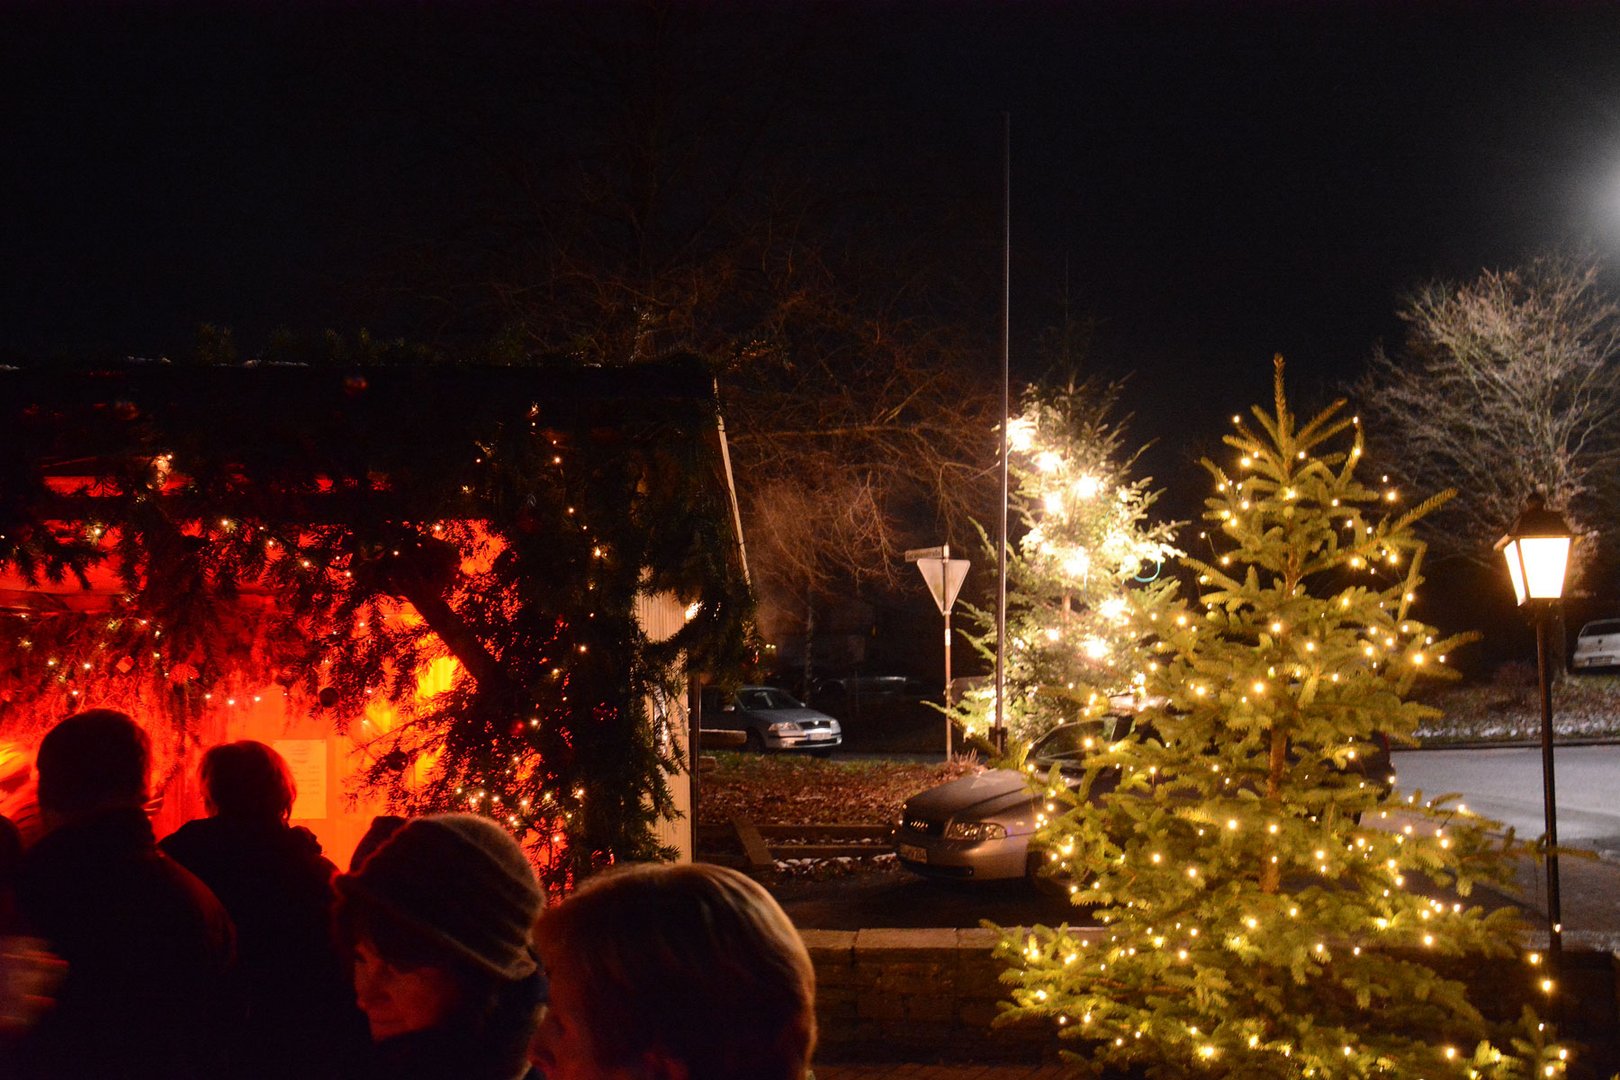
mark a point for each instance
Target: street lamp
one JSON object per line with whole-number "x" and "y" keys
{"x": 1537, "y": 553}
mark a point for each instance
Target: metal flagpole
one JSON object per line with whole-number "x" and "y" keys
{"x": 944, "y": 560}
{"x": 1000, "y": 736}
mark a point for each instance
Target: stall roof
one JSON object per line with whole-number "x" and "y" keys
{"x": 337, "y": 431}
{"x": 392, "y": 413}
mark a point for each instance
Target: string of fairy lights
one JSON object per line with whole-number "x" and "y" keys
{"x": 535, "y": 768}
{"x": 1266, "y": 909}
{"x": 1076, "y": 572}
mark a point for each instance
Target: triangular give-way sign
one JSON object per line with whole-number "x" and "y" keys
{"x": 944, "y": 578}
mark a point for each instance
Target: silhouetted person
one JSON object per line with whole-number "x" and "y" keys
{"x": 277, "y": 886}
{"x": 381, "y": 828}
{"x": 149, "y": 950}
{"x": 29, "y": 971}
{"x": 440, "y": 918}
{"x": 675, "y": 971}
{"x": 11, "y": 853}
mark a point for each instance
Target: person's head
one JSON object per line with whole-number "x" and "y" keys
{"x": 381, "y": 828}
{"x": 92, "y": 761}
{"x": 440, "y": 920}
{"x": 247, "y": 779}
{"x": 675, "y": 972}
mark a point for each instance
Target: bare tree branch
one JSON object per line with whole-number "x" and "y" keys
{"x": 1506, "y": 385}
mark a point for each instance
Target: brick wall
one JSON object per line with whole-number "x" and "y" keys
{"x": 893, "y": 995}
{"x": 931, "y": 995}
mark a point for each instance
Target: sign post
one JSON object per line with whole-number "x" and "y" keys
{"x": 943, "y": 576}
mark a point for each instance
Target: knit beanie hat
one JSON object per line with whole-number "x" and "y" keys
{"x": 461, "y": 880}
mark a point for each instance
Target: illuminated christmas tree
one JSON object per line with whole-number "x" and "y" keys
{"x": 1266, "y": 909}
{"x": 1084, "y": 573}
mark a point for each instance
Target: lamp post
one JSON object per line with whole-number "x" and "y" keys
{"x": 1537, "y": 554}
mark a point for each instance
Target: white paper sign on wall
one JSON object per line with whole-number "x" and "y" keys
{"x": 307, "y": 760}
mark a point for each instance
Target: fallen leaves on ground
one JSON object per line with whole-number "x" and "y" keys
{"x": 784, "y": 790}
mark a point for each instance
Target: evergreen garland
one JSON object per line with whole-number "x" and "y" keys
{"x": 273, "y": 524}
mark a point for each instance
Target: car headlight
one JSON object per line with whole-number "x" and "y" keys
{"x": 975, "y": 830}
{"x": 785, "y": 727}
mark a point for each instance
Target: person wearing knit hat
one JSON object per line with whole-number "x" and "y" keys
{"x": 439, "y": 919}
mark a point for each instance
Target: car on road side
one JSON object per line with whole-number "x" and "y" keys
{"x": 1597, "y": 647}
{"x": 850, "y": 696}
{"x": 772, "y": 719}
{"x": 980, "y": 827}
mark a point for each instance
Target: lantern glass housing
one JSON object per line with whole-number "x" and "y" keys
{"x": 1537, "y": 553}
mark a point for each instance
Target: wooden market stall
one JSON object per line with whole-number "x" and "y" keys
{"x": 395, "y": 575}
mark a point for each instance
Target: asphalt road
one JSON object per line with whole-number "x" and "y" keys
{"x": 1502, "y": 784}
{"x": 1505, "y": 785}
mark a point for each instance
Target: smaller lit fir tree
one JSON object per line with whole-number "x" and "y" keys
{"x": 1263, "y": 904}
{"x": 1083, "y": 574}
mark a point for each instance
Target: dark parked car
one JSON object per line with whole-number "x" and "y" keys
{"x": 772, "y": 719}
{"x": 854, "y": 694}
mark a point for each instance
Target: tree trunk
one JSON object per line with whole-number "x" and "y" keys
{"x": 463, "y": 644}
{"x": 809, "y": 644}
{"x": 1271, "y": 872}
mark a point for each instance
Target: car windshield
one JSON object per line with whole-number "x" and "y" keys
{"x": 1609, "y": 626}
{"x": 1072, "y": 742}
{"x": 766, "y": 699}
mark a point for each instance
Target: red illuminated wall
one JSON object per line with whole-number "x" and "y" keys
{"x": 251, "y": 706}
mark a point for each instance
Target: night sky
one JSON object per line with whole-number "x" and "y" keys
{"x": 1211, "y": 183}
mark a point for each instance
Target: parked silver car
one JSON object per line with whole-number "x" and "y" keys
{"x": 772, "y": 719}
{"x": 980, "y": 827}
{"x": 1597, "y": 646}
